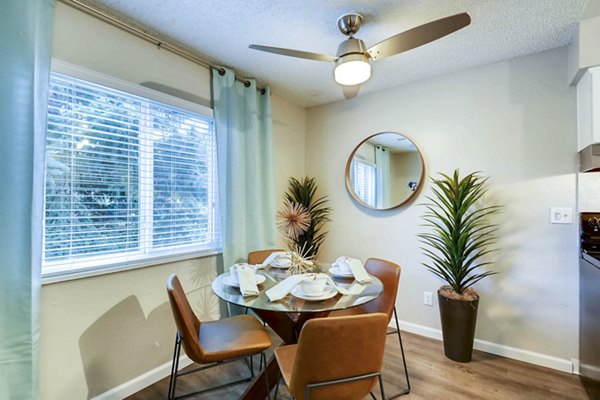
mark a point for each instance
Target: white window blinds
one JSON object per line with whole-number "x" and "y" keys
{"x": 363, "y": 180}
{"x": 127, "y": 179}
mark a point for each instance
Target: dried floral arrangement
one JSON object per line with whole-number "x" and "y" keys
{"x": 302, "y": 220}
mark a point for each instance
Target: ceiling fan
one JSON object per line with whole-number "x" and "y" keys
{"x": 353, "y": 58}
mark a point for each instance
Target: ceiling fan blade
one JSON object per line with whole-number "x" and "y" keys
{"x": 293, "y": 53}
{"x": 351, "y": 91}
{"x": 419, "y": 36}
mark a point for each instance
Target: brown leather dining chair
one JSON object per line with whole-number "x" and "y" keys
{"x": 335, "y": 358}
{"x": 258, "y": 257}
{"x": 389, "y": 274}
{"x": 212, "y": 342}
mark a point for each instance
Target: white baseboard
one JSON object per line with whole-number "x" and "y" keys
{"x": 543, "y": 360}
{"x": 142, "y": 381}
{"x": 575, "y": 362}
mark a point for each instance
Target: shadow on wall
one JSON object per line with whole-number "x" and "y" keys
{"x": 123, "y": 344}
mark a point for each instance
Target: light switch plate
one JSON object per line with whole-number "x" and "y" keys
{"x": 561, "y": 215}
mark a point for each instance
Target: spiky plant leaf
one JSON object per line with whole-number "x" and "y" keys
{"x": 460, "y": 236}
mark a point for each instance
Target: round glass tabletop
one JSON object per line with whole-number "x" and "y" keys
{"x": 291, "y": 303}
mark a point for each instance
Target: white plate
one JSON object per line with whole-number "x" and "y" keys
{"x": 335, "y": 271}
{"x": 229, "y": 282}
{"x": 328, "y": 293}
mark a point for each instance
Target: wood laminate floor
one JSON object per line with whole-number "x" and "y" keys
{"x": 432, "y": 376}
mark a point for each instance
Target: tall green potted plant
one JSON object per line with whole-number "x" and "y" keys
{"x": 461, "y": 237}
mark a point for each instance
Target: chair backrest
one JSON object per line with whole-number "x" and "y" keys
{"x": 389, "y": 274}
{"x": 187, "y": 323}
{"x": 335, "y": 348}
{"x": 258, "y": 257}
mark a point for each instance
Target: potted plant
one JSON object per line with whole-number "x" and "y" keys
{"x": 303, "y": 217}
{"x": 460, "y": 239}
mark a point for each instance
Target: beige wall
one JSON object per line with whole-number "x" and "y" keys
{"x": 88, "y": 42}
{"x": 515, "y": 122}
{"x": 98, "y": 333}
{"x": 289, "y": 126}
{"x": 404, "y": 167}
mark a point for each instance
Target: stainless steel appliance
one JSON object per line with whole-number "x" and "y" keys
{"x": 589, "y": 304}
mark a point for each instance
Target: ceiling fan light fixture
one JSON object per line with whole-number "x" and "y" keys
{"x": 352, "y": 69}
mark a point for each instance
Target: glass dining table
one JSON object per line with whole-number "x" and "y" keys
{"x": 287, "y": 316}
{"x": 292, "y": 304}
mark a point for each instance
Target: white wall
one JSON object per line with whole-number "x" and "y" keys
{"x": 515, "y": 122}
{"x": 98, "y": 333}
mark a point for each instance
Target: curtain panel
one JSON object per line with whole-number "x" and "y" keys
{"x": 382, "y": 160}
{"x": 25, "y": 41}
{"x": 245, "y": 161}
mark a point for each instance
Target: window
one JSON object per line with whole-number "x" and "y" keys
{"x": 363, "y": 180}
{"x": 128, "y": 179}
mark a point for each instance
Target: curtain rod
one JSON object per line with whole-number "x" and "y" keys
{"x": 155, "y": 40}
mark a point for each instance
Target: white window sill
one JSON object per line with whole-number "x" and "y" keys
{"x": 120, "y": 267}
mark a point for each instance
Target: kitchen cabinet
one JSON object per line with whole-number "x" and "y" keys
{"x": 588, "y": 108}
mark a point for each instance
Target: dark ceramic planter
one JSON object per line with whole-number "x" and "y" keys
{"x": 458, "y": 327}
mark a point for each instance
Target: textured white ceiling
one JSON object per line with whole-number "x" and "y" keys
{"x": 222, "y": 31}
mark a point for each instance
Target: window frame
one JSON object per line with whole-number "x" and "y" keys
{"x": 94, "y": 265}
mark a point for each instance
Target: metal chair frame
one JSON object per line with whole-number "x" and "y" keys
{"x": 397, "y": 331}
{"x": 337, "y": 381}
{"x": 175, "y": 374}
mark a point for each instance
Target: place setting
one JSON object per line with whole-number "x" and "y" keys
{"x": 314, "y": 289}
{"x": 280, "y": 260}
{"x": 320, "y": 286}
{"x": 244, "y": 277}
{"x": 350, "y": 268}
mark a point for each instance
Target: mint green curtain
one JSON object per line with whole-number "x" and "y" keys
{"x": 245, "y": 159}
{"x": 382, "y": 180}
{"x": 26, "y": 27}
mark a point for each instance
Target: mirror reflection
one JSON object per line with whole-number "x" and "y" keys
{"x": 384, "y": 171}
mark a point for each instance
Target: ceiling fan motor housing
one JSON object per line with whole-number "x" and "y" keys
{"x": 351, "y": 46}
{"x": 353, "y": 64}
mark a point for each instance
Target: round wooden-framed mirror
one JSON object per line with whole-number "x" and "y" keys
{"x": 385, "y": 171}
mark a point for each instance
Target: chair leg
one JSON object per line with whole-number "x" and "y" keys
{"x": 174, "y": 367}
{"x": 381, "y": 387}
{"x": 277, "y": 388}
{"x": 175, "y": 373}
{"x": 263, "y": 359}
{"x": 407, "y": 390}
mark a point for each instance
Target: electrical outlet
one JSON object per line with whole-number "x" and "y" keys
{"x": 561, "y": 215}
{"x": 428, "y": 298}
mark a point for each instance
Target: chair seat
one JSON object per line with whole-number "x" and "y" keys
{"x": 285, "y": 356}
{"x": 233, "y": 337}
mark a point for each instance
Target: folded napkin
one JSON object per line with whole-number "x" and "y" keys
{"x": 272, "y": 257}
{"x": 284, "y": 287}
{"x": 357, "y": 268}
{"x": 247, "y": 281}
{"x": 354, "y": 289}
